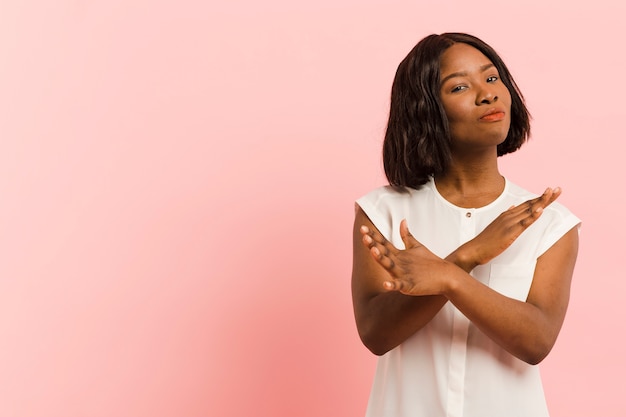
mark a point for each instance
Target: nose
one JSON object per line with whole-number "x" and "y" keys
{"x": 486, "y": 96}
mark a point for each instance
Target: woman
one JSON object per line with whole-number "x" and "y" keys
{"x": 461, "y": 279}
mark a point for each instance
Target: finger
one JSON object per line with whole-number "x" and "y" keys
{"x": 540, "y": 201}
{"x": 518, "y": 212}
{"x": 543, "y": 198}
{"x": 548, "y": 197}
{"x": 530, "y": 219}
{"x": 383, "y": 259}
{"x": 389, "y": 285}
{"x": 407, "y": 237}
{"x": 367, "y": 231}
{"x": 398, "y": 285}
{"x": 371, "y": 237}
{"x": 372, "y": 244}
{"x": 526, "y": 218}
{"x": 556, "y": 192}
{"x": 525, "y": 207}
{"x": 537, "y": 205}
{"x": 533, "y": 205}
{"x": 375, "y": 235}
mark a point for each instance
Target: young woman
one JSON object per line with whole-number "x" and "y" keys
{"x": 461, "y": 279}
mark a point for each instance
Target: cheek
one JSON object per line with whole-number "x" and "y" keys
{"x": 506, "y": 97}
{"x": 454, "y": 111}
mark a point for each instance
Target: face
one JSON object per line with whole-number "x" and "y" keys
{"x": 476, "y": 102}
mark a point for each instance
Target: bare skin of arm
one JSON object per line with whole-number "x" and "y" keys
{"x": 397, "y": 292}
{"x": 527, "y": 330}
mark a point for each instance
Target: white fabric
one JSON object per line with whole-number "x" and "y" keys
{"x": 450, "y": 368}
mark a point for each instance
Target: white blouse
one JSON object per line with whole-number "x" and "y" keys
{"x": 449, "y": 367}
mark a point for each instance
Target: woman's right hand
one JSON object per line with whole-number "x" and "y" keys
{"x": 503, "y": 231}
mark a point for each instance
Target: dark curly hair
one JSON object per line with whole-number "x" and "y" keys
{"x": 417, "y": 140}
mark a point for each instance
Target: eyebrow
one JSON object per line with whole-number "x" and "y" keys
{"x": 483, "y": 68}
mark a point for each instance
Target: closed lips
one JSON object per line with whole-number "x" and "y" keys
{"x": 493, "y": 114}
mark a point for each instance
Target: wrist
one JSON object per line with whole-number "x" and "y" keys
{"x": 464, "y": 257}
{"x": 451, "y": 279}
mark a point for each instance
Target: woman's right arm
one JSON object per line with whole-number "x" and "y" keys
{"x": 385, "y": 319}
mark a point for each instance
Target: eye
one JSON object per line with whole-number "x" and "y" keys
{"x": 492, "y": 79}
{"x": 458, "y": 88}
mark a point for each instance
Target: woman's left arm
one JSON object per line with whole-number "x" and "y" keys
{"x": 527, "y": 330}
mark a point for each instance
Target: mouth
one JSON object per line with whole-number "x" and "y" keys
{"x": 492, "y": 115}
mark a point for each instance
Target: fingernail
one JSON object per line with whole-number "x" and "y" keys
{"x": 539, "y": 210}
{"x": 364, "y": 229}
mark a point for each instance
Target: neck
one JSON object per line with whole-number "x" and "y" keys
{"x": 471, "y": 182}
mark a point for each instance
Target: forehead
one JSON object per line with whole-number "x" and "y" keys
{"x": 462, "y": 57}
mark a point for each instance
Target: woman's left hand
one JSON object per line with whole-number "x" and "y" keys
{"x": 414, "y": 270}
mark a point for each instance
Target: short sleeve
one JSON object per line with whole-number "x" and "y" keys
{"x": 376, "y": 206}
{"x": 559, "y": 221}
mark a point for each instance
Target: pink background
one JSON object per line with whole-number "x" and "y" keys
{"x": 177, "y": 183}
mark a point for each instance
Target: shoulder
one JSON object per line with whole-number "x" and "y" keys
{"x": 389, "y": 194}
{"x": 386, "y": 192}
{"x": 390, "y": 200}
{"x": 386, "y": 206}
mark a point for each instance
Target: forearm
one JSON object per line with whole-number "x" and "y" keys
{"x": 393, "y": 317}
{"x": 519, "y": 327}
